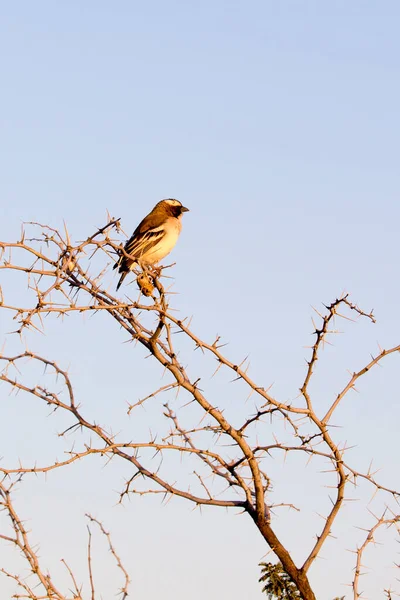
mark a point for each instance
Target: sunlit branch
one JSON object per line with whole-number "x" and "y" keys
{"x": 66, "y": 279}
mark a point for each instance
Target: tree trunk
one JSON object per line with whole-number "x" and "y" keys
{"x": 298, "y": 576}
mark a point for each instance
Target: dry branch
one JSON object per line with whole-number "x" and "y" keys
{"x": 40, "y": 584}
{"x": 228, "y": 461}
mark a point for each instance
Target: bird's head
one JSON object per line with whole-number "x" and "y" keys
{"x": 172, "y": 207}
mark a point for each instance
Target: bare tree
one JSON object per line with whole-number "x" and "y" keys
{"x": 229, "y": 461}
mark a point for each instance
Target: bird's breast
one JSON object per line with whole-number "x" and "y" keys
{"x": 172, "y": 230}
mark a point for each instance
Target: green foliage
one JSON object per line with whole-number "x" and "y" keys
{"x": 278, "y": 585}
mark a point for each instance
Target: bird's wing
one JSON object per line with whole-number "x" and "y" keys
{"x": 154, "y": 220}
{"x": 146, "y": 235}
{"x": 140, "y": 243}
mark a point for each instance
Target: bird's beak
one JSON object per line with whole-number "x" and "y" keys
{"x": 184, "y": 209}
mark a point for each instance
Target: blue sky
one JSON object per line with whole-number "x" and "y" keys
{"x": 277, "y": 125}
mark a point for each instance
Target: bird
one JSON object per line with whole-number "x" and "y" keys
{"x": 153, "y": 238}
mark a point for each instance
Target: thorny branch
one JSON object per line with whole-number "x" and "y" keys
{"x": 39, "y": 584}
{"x": 383, "y": 521}
{"x": 230, "y": 462}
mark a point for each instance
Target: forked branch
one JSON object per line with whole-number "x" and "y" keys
{"x": 229, "y": 462}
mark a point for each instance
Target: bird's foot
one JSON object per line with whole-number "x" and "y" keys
{"x": 156, "y": 272}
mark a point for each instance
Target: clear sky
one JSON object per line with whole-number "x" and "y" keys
{"x": 277, "y": 124}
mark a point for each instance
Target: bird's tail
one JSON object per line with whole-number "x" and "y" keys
{"x": 124, "y": 274}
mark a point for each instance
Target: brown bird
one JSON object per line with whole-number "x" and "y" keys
{"x": 153, "y": 238}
